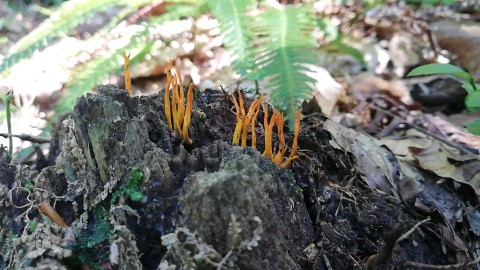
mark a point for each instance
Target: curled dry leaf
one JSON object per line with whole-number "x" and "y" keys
{"x": 327, "y": 91}
{"x": 372, "y": 160}
{"x": 448, "y": 162}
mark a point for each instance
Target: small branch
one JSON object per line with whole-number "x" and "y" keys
{"x": 8, "y": 99}
{"x": 224, "y": 260}
{"x": 30, "y": 138}
{"x": 448, "y": 266}
{"x": 405, "y": 235}
{"x": 386, "y": 252}
{"x": 424, "y": 131}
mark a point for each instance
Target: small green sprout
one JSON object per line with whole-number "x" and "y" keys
{"x": 32, "y": 225}
{"x": 472, "y": 101}
{"x": 131, "y": 189}
{"x": 8, "y": 100}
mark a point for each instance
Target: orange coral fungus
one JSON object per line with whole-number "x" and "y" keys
{"x": 278, "y": 121}
{"x": 268, "y": 127}
{"x": 254, "y": 135}
{"x": 245, "y": 119}
{"x": 168, "y": 109}
{"x": 240, "y": 113}
{"x": 128, "y": 80}
{"x": 46, "y": 209}
{"x": 254, "y": 108}
{"x": 177, "y": 113}
{"x": 293, "y": 153}
{"x": 282, "y": 147}
{"x": 188, "y": 113}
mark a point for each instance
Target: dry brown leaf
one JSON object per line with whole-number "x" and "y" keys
{"x": 473, "y": 216}
{"x": 327, "y": 90}
{"x": 460, "y": 38}
{"x": 381, "y": 170}
{"x": 453, "y": 238}
{"x": 439, "y": 158}
{"x": 400, "y": 145}
{"x": 367, "y": 86}
{"x": 372, "y": 160}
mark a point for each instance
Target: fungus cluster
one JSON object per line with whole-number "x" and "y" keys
{"x": 126, "y": 73}
{"x": 178, "y": 117}
{"x": 245, "y": 120}
{"x": 177, "y": 113}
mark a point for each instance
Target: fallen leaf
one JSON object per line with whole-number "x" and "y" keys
{"x": 448, "y": 162}
{"x": 327, "y": 90}
{"x": 372, "y": 160}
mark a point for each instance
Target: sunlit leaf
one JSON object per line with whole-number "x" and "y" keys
{"x": 431, "y": 69}
{"x": 474, "y": 127}
{"x": 472, "y": 101}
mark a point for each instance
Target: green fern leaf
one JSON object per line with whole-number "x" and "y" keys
{"x": 18, "y": 56}
{"x": 233, "y": 24}
{"x": 96, "y": 70}
{"x": 93, "y": 72}
{"x": 129, "y": 8}
{"x": 68, "y": 15}
{"x": 284, "y": 45}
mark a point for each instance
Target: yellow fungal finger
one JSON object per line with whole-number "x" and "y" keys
{"x": 254, "y": 135}
{"x": 176, "y": 123}
{"x": 128, "y": 80}
{"x": 239, "y": 124}
{"x": 168, "y": 112}
{"x": 237, "y": 108}
{"x": 180, "y": 80}
{"x": 181, "y": 98}
{"x": 268, "y": 134}
{"x": 288, "y": 162}
{"x": 188, "y": 113}
{"x": 46, "y": 209}
{"x": 296, "y": 133}
{"x": 282, "y": 148}
{"x": 293, "y": 154}
{"x": 248, "y": 119}
{"x": 240, "y": 102}
{"x": 169, "y": 67}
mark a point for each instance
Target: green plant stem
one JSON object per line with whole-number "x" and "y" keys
{"x": 8, "y": 99}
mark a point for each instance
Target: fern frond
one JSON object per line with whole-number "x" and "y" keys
{"x": 234, "y": 25}
{"x": 68, "y": 15}
{"x": 27, "y": 52}
{"x": 93, "y": 72}
{"x": 96, "y": 70}
{"x": 131, "y": 7}
{"x": 284, "y": 45}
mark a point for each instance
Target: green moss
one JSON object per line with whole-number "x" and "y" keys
{"x": 131, "y": 189}
{"x": 6, "y": 242}
{"x": 93, "y": 242}
{"x": 32, "y": 225}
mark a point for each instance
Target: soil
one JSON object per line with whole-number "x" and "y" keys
{"x": 208, "y": 205}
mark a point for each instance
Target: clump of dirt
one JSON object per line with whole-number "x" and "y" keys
{"x": 135, "y": 197}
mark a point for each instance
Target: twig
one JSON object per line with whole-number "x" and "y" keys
{"x": 448, "y": 266}
{"x": 8, "y": 99}
{"x": 451, "y": 144}
{"x": 25, "y": 137}
{"x": 405, "y": 235}
{"x": 224, "y": 260}
{"x": 327, "y": 262}
{"x": 386, "y": 251}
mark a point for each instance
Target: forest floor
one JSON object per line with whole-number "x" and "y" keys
{"x": 319, "y": 213}
{"x": 389, "y": 180}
